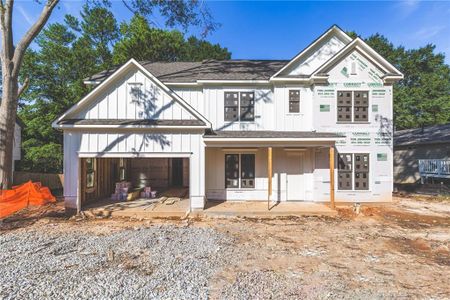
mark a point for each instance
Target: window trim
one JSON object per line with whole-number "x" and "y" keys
{"x": 352, "y": 110}
{"x": 289, "y": 101}
{"x": 239, "y": 106}
{"x": 239, "y": 187}
{"x": 353, "y": 190}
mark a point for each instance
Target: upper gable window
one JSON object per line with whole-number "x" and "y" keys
{"x": 239, "y": 106}
{"x": 353, "y": 106}
{"x": 294, "y": 101}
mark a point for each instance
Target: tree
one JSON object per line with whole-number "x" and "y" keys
{"x": 423, "y": 97}
{"x": 142, "y": 42}
{"x": 11, "y": 57}
{"x": 70, "y": 51}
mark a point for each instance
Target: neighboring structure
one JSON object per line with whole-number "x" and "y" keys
{"x": 422, "y": 153}
{"x": 244, "y": 129}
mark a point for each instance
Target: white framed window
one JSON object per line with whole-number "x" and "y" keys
{"x": 294, "y": 101}
{"x": 239, "y": 106}
{"x": 352, "y": 106}
{"x": 239, "y": 171}
{"x": 353, "y": 171}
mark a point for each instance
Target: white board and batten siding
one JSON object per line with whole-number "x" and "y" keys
{"x": 150, "y": 145}
{"x": 118, "y": 101}
{"x": 134, "y": 96}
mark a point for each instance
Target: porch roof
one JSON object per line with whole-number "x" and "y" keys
{"x": 272, "y": 135}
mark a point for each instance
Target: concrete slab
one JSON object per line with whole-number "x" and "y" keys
{"x": 140, "y": 208}
{"x": 260, "y": 209}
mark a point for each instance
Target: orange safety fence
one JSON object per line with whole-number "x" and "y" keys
{"x": 21, "y": 196}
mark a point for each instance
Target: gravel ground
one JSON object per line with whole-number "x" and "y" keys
{"x": 165, "y": 262}
{"x": 385, "y": 253}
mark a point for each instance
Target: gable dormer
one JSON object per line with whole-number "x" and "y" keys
{"x": 316, "y": 54}
{"x": 132, "y": 97}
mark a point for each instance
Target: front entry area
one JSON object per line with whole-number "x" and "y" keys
{"x": 241, "y": 174}
{"x": 295, "y": 179}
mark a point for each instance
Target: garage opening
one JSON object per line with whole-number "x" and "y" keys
{"x": 135, "y": 184}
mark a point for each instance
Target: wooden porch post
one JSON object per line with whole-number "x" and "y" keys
{"x": 332, "y": 177}
{"x": 269, "y": 176}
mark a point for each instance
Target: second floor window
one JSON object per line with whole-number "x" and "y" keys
{"x": 352, "y": 106}
{"x": 239, "y": 106}
{"x": 294, "y": 101}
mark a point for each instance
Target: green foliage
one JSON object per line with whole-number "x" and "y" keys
{"x": 68, "y": 52}
{"x": 142, "y": 42}
{"x": 422, "y": 98}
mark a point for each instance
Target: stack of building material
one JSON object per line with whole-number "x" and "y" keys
{"x": 121, "y": 191}
{"x": 147, "y": 193}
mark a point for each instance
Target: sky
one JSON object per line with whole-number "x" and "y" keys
{"x": 281, "y": 29}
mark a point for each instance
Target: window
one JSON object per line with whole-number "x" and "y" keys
{"x": 353, "y": 169}
{"x": 247, "y": 106}
{"x": 345, "y": 171}
{"x": 90, "y": 172}
{"x": 361, "y": 171}
{"x": 239, "y": 170}
{"x": 231, "y": 106}
{"x": 344, "y": 106}
{"x": 360, "y": 106}
{"x": 122, "y": 170}
{"x": 239, "y": 106}
{"x": 352, "y": 106}
{"x": 247, "y": 170}
{"x": 294, "y": 101}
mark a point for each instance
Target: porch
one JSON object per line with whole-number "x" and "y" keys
{"x": 434, "y": 168}
{"x": 285, "y": 168}
{"x": 262, "y": 209}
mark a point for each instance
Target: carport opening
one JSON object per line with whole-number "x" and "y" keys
{"x": 105, "y": 181}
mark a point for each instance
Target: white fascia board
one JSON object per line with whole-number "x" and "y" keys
{"x": 127, "y": 127}
{"x": 182, "y": 84}
{"x": 365, "y": 49}
{"x": 134, "y": 154}
{"x": 233, "y": 81}
{"x": 131, "y": 62}
{"x": 244, "y": 140}
{"x": 334, "y": 28}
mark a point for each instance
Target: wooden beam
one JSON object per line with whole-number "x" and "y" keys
{"x": 269, "y": 175}
{"x": 332, "y": 177}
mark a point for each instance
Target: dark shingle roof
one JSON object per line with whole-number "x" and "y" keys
{"x": 271, "y": 134}
{"x": 206, "y": 70}
{"x": 428, "y": 135}
{"x": 123, "y": 122}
